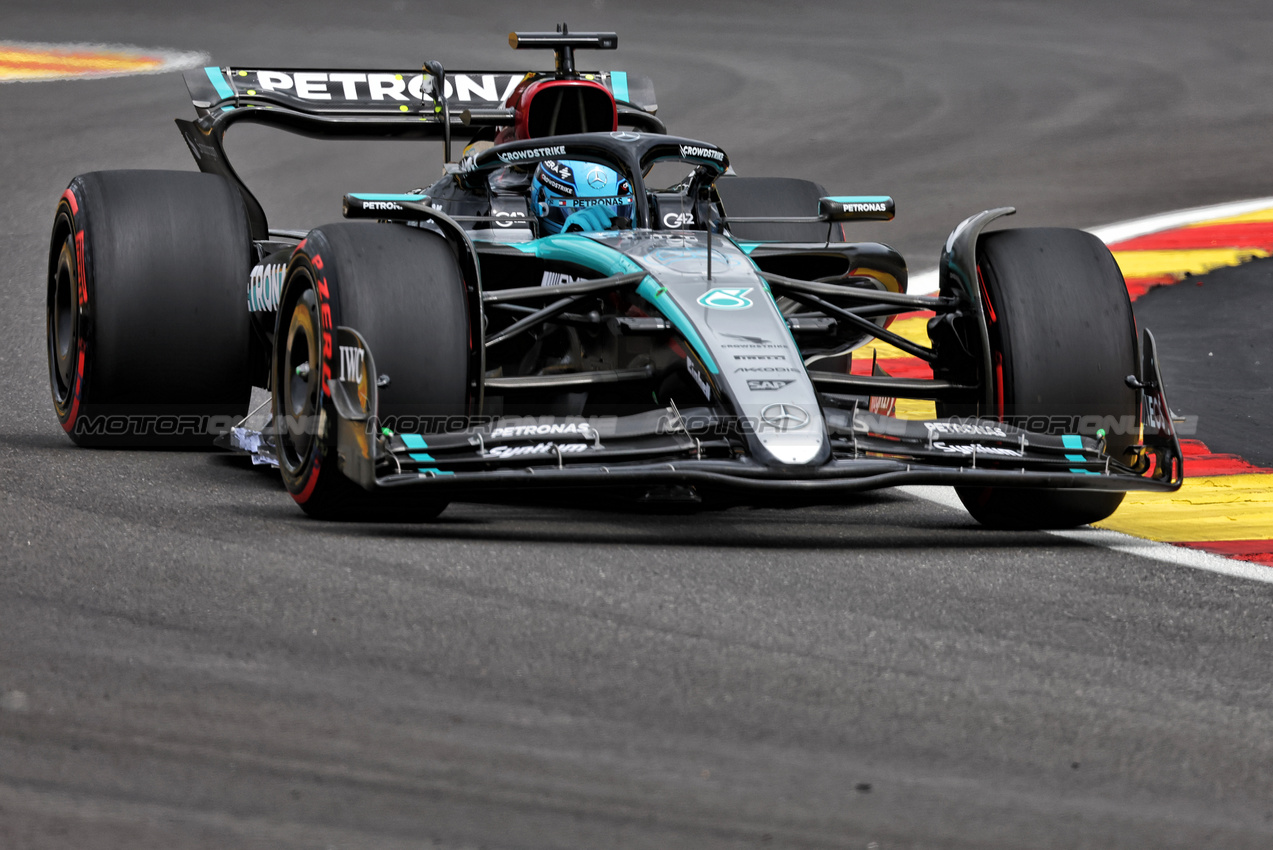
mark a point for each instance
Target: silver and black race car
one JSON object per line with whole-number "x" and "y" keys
{"x": 694, "y": 346}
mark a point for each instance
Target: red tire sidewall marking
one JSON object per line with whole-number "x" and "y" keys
{"x": 992, "y": 319}
{"x": 81, "y": 302}
{"x": 326, "y": 328}
{"x": 303, "y": 496}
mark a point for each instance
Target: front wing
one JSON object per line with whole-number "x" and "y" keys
{"x": 702, "y": 449}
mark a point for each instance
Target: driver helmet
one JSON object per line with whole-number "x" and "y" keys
{"x": 563, "y": 187}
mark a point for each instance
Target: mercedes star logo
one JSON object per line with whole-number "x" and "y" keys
{"x": 784, "y": 417}
{"x": 624, "y": 136}
{"x": 597, "y": 178}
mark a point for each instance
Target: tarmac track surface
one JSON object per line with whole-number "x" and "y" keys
{"x": 185, "y": 661}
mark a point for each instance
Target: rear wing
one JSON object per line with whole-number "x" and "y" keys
{"x": 404, "y": 94}
{"x": 369, "y": 104}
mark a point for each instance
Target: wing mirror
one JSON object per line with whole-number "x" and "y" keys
{"x": 856, "y": 208}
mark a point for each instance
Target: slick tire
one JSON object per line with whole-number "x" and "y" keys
{"x": 754, "y": 197}
{"x": 402, "y": 290}
{"x": 1063, "y": 340}
{"x": 146, "y": 320}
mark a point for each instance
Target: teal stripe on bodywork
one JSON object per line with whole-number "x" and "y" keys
{"x": 652, "y": 292}
{"x": 1074, "y": 441}
{"x": 619, "y": 84}
{"x": 436, "y": 471}
{"x": 423, "y": 457}
{"x": 573, "y": 248}
{"x": 218, "y": 82}
{"x": 410, "y": 199}
{"x": 414, "y": 441}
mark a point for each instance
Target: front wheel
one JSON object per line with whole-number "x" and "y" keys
{"x": 402, "y": 290}
{"x": 1063, "y": 341}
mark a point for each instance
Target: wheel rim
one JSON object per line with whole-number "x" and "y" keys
{"x": 63, "y": 324}
{"x": 300, "y": 381}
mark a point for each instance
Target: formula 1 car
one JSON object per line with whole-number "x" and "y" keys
{"x": 693, "y": 347}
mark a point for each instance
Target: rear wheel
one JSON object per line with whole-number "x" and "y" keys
{"x": 1063, "y": 340}
{"x": 402, "y": 290}
{"x": 147, "y": 326}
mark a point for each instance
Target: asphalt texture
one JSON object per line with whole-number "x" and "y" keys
{"x": 188, "y": 662}
{"x": 1219, "y": 362}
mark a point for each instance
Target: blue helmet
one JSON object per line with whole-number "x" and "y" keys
{"x": 562, "y": 188}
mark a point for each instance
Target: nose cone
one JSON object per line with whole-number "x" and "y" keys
{"x": 791, "y": 431}
{"x": 742, "y": 339}
{"x": 799, "y": 453}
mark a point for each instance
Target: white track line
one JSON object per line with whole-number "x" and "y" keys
{"x": 1119, "y": 542}
{"x": 1123, "y": 230}
{"x": 926, "y": 282}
